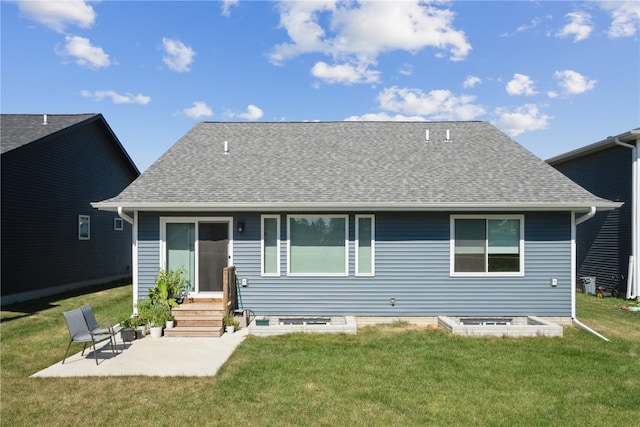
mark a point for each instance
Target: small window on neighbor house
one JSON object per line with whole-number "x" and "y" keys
{"x": 493, "y": 245}
{"x": 118, "y": 224}
{"x": 84, "y": 227}
{"x": 270, "y": 245}
{"x": 365, "y": 245}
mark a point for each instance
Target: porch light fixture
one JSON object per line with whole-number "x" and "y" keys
{"x": 240, "y": 227}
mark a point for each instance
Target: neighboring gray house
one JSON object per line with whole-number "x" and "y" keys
{"x": 53, "y": 167}
{"x": 361, "y": 218}
{"x": 609, "y": 169}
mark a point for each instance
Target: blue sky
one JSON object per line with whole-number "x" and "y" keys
{"x": 554, "y": 75}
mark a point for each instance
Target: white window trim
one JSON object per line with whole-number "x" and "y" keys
{"x": 118, "y": 224}
{"x": 86, "y": 218}
{"x": 452, "y": 242}
{"x": 196, "y": 221}
{"x": 373, "y": 245}
{"x": 262, "y": 272}
{"x": 346, "y": 246}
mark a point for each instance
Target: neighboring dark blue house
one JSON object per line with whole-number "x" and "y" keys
{"x": 609, "y": 169}
{"x": 361, "y": 218}
{"x": 53, "y": 167}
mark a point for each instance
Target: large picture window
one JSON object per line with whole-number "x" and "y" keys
{"x": 270, "y": 245}
{"x": 492, "y": 245}
{"x": 317, "y": 245}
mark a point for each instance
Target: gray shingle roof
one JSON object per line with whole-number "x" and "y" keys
{"x": 17, "y": 130}
{"x": 348, "y": 166}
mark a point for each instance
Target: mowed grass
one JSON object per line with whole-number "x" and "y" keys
{"x": 393, "y": 375}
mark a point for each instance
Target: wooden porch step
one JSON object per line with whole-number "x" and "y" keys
{"x": 194, "y": 331}
{"x": 201, "y": 318}
{"x": 199, "y": 321}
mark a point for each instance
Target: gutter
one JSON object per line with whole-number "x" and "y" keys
{"x": 574, "y": 319}
{"x": 353, "y": 207}
{"x": 632, "y": 277}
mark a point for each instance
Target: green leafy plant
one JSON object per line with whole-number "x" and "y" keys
{"x": 169, "y": 284}
{"x": 131, "y": 321}
{"x": 153, "y": 313}
{"x": 229, "y": 320}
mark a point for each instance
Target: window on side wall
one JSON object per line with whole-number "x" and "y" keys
{"x": 365, "y": 245}
{"x": 487, "y": 245}
{"x": 317, "y": 245}
{"x": 270, "y": 245}
{"x": 84, "y": 227}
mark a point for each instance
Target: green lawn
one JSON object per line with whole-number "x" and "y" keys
{"x": 384, "y": 376}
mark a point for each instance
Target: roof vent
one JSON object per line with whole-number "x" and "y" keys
{"x": 448, "y": 138}
{"x": 44, "y": 120}
{"x": 226, "y": 147}
{"x": 426, "y": 135}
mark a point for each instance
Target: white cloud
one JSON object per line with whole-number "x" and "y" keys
{"x": 523, "y": 119}
{"x": 356, "y": 32}
{"x": 384, "y": 117}
{"x": 437, "y": 104}
{"x": 521, "y": 85}
{"x": 227, "y": 5}
{"x": 199, "y": 109}
{"x": 344, "y": 73}
{"x": 580, "y": 26}
{"x": 84, "y": 53}
{"x": 573, "y": 82}
{"x": 253, "y": 113}
{"x": 178, "y": 56}
{"x": 116, "y": 98}
{"x": 625, "y": 17}
{"x": 406, "y": 69}
{"x": 58, "y": 14}
{"x": 471, "y": 81}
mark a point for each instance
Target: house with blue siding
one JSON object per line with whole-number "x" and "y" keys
{"x": 608, "y": 247}
{"x": 53, "y": 240}
{"x": 383, "y": 219}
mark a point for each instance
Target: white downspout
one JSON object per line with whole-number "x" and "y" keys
{"x": 574, "y": 319}
{"x": 632, "y": 279}
{"x": 587, "y": 216}
{"x": 134, "y": 253}
{"x": 124, "y": 216}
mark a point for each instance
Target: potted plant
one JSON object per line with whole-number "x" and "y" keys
{"x": 230, "y": 323}
{"x": 170, "y": 321}
{"x": 129, "y": 327}
{"x": 154, "y": 315}
{"x": 170, "y": 284}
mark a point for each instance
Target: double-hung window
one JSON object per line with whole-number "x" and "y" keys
{"x": 491, "y": 245}
{"x": 317, "y": 245}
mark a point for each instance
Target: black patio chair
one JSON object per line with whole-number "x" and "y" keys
{"x": 79, "y": 332}
{"x": 102, "y": 327}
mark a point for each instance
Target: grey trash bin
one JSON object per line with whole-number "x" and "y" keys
{"x": 588, "y": 285}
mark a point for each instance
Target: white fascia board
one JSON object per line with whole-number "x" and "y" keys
{"x": 355, "y": 207}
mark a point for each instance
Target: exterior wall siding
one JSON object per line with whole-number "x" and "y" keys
{"x": 604, "y": 242}
{"x": 412, "y": 254}
{"x": 45, "y": 186}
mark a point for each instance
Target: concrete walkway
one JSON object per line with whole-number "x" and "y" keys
{"x": 166, "y": 356}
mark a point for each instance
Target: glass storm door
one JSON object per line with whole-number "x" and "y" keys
{"x": 213, "y": 243}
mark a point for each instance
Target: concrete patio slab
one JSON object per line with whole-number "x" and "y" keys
{"x": 165, "y": 357}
